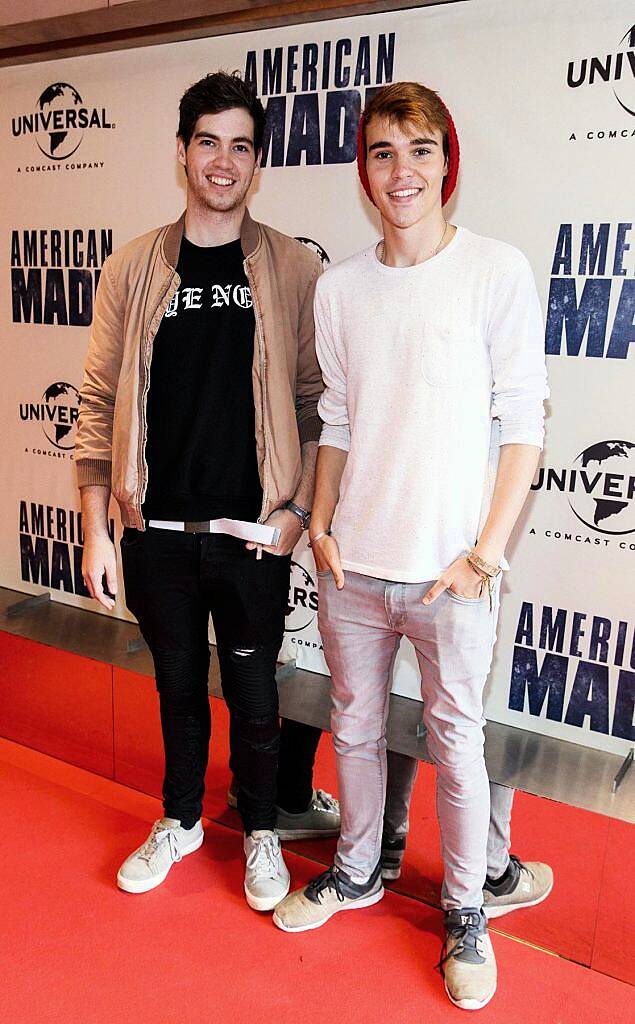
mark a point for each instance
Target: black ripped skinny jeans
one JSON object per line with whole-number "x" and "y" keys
{"x": 173, "y": 582}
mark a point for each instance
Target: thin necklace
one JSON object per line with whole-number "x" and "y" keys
{"x": 428, "y": 257}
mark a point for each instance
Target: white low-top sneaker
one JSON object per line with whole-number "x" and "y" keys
{"x": 267, "y": 879}
{"x": 148, "y": 866}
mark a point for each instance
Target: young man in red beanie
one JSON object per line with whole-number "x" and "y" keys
{"x": 431, "y": 348}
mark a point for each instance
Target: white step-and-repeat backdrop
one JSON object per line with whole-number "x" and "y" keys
{"x": 543, "y": 96}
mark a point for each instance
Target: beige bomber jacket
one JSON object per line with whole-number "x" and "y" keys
{"x": 136, "y": 285}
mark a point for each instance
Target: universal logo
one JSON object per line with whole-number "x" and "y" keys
{"x": 303, "y": 600}
{"x": 600, "y": 490}
{"x": 612, "y": 70}
{"x": 57, "y": 413}
{"x": 59, "y": 123}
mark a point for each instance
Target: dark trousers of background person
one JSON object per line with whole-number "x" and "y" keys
{"x": 173, "y": 582}
{"x": 298, "y": 746}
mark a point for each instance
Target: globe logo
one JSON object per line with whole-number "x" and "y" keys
{"x": 316, "y": 248}
{"x": 60, "y": 407}
{"x": 59, "y": 121}
{"x": 624, "y": 89}
{"x": 64, "y": 139}
{"x": 303, "y": 600}
{"x": 604, "y": 497}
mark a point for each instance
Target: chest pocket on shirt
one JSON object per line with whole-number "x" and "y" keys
{"x": 450, "y": 355}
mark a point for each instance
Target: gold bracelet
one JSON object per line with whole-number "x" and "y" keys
{"x": 482, "y": 566}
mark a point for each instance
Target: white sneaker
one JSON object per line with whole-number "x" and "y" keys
{"x": 267, "y": 879}
{"x": 148, "y": 866}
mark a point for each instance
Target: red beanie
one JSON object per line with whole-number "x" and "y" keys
{"x": 454, "y": 156}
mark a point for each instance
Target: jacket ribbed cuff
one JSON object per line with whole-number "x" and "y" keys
{"x": 93, "y": 471}
{"x": 310, "y": 429}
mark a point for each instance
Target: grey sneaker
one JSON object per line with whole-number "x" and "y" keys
{"x": 468, "y": 963}
{"x": 524, "y": 885}
{"x": 148, "y": 866}
{"x": 320, "y": 820}
{"x": 327, "y": 894}
{"x": 392, "y": 854}
{"x": 267, "y": 880}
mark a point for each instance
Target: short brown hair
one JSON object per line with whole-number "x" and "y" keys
{"x": 409, "y": 103}
{"x": 214, "y": 94}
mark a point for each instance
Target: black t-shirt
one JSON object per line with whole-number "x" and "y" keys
{"x": 201, "y": 446}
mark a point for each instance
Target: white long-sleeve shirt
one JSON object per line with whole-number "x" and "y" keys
{"x": 428, "y": 370}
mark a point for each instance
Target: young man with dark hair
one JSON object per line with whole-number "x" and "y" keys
{"x": 199, "y": 411}
{"x": 431, "y": 347}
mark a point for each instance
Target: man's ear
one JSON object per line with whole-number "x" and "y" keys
{"x": 181, "y": 151}
{"x": 258, "y": 161}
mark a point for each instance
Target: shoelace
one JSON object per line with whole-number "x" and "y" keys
{"x": 325, "y": 802}
{"x": 327, "y": 880}
{"x": 263, "y": 859}
{"x": 160, "y": 835}
{"x": 468, "y": 937}
{"x": 521, "y": 867}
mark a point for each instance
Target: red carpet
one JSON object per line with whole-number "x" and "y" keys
{"x": 78, "y": 950}
{"x": 114, "y": 730}
{"x": 542, "y": 830}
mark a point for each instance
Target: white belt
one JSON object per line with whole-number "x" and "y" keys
{"x": 258, "y": 533}
{"x": 206, "y": 526}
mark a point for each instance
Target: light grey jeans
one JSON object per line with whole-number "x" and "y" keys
{"x": 361, "y": 628}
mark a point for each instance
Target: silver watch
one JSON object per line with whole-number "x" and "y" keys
{"x": 301, "y": 513}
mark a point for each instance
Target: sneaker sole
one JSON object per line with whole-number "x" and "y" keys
{"x": 469, "y": 1004}
{"x": 263, "y": 903}
{"x": 146, "y": 884}
{"x": 368, "y": 901}
{"x": 289, "y": 834}
{"x": 500, "y": 911}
